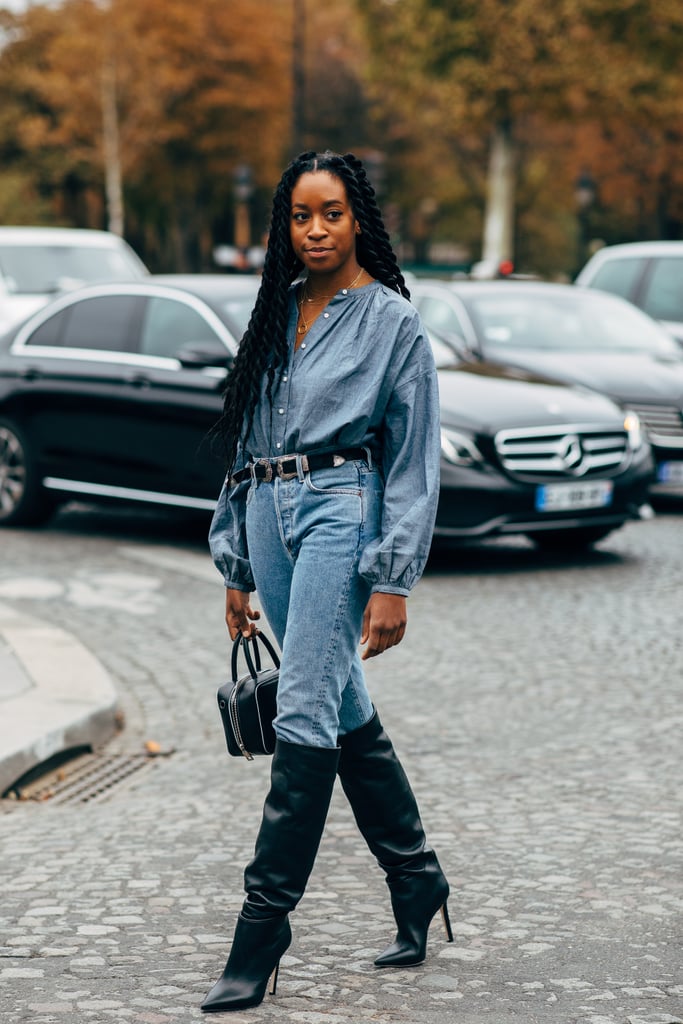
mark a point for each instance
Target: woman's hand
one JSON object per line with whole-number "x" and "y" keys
{"x": 238, "y": 612}
{"x": 384, "y": 623}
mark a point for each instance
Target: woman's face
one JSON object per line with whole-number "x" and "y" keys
{"x": 323, "y": 228}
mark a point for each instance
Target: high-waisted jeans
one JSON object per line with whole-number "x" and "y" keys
{"x": 305, "y": 539}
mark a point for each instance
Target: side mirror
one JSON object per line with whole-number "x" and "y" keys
{"x": 198, "y": 354}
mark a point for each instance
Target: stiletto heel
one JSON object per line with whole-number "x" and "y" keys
{"x": 272, "y": 987}
{"x": 447, "y": 922}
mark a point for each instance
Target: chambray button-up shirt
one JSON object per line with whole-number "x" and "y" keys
{"x": 365, "y": 376}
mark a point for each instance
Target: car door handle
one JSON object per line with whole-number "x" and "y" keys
{"x": 138, "y": 380}
{"x": 30, "y": 373}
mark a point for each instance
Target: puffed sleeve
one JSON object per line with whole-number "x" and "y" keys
{"x": 228, "y": 535}
{"x": 394, "y": 562}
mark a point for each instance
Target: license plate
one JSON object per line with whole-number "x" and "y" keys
{"x": 670, "y": 473}
{"x": 570, "y": 496}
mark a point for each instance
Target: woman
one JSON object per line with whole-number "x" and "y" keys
{"x": 332, "y": 425}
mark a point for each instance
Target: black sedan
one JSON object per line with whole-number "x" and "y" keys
{"x": 523, "y": 454}
{"x": 584, "y": 337}
{"x": 112, "y": 392}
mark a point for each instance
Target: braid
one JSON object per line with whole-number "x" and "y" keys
{"x": 263, "y": 350}
{"x": 374, "y": 249}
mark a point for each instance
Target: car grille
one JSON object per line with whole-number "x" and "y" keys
{"x": 663, "y": 423}
{"x": 539, "y": 453}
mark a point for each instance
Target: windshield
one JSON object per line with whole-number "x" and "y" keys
{"x": 237, "y": 311}
{"x": 41, "y": 269}
{"x": 580, "y": 321}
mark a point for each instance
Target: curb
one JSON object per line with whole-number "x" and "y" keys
{"x": 70, "y": 702}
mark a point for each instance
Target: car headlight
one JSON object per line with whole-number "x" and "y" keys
{"x": 459, "y": 448}
{"x": 634, "y": 430}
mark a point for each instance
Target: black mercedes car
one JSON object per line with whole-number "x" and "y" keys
{"x": 576, "y": 335}
{"x": 111, "y": 393}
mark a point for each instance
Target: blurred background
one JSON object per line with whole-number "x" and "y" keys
{"x": 492, "y": 130}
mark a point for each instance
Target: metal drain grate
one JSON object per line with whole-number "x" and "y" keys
{"x": 86, "y": 779}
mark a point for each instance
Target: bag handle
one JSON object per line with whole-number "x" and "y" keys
{"x": 253, "y": 665}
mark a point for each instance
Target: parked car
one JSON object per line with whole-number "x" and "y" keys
{"x": 111, "y": 393}
{"x": 38, "y": 263}
{"x": 648, "y": 274}
{"x": 524, "y": 454}
{"x": 576, "y": 335}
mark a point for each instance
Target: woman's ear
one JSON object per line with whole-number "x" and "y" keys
{"x": 358, "y": 230}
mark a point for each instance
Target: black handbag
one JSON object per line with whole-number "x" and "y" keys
{"x": 248, "y": 704}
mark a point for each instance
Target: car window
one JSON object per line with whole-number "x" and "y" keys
{"x": 41, "y": 269}
{"x": 238, "y": 312}
{"x": 585, "y": 321}
{"x": 107, "y": 322}
{"x": 51, "y": 331}
{"x": 168, "y": 325}
{"x": 663, "y": 293}
{"x": 440, "y": 315}
{"x": 619, "y": 276}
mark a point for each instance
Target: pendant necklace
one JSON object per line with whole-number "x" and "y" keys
{"x": 304, "y": 325}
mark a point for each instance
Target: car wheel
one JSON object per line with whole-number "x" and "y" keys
{"x": 570, "y": 540}
{"x": 23, "y": 501}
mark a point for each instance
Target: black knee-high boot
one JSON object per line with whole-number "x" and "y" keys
{"x": 302, "y": 779}
{"x": 386, "y": 812}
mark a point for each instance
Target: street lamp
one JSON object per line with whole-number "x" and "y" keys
{"x": 421, "y": 227}
{"x": 375, "y": 166}
{"x": 243, "y": 189}
{"x": 585, "y": 194}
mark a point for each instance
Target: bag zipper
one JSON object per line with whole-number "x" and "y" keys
{"x": 234, "y": 718}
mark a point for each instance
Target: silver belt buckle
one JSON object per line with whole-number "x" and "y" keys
{"x": 280, "y": 472}
{"x": 269, "y": 470}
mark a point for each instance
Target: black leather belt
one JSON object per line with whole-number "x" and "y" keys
{"x": 286, "y": 466}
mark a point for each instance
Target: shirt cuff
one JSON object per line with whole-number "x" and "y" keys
{"x": 389, "y": 588}
{"x": 238, "y": 585}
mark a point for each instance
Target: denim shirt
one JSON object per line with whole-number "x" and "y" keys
{"x": 363, "y": 376}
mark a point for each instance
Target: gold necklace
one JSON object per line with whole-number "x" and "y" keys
{"x": 304, "y": 325}
{"x": 318, "y": 297}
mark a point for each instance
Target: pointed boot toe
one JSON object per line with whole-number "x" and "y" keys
{"x": 401, "y": 954}
{"x": 254, "y": 958}
{"x": 233, "y": 994}
{"x": 410, "y": 946}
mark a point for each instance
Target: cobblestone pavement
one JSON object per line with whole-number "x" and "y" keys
{"x": 548, "y": 771}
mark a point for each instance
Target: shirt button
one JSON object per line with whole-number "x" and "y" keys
{"x": 281, "y": 412}
{"x": 345, "y": 291}
{"x": 303, "y": 344}
{"x": 326, "y": 315}
{"x": 284, "y": 379}
{"x": 279, "y": 444}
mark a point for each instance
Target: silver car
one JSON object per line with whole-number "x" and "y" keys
{"x": 38, "y": 263}
{"x": 648, "y": 274}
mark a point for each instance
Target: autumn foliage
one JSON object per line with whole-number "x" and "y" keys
{"x": 159, "y": 102}
{"x": 197, "y": 87}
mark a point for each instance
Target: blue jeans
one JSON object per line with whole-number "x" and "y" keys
{"x": 305, "y": 539}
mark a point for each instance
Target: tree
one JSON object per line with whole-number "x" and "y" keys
{"x": 164, "y": 94}
{"x": 491, "y": 68}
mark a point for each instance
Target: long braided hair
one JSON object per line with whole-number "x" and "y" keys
{"x": 263, "y": 348}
